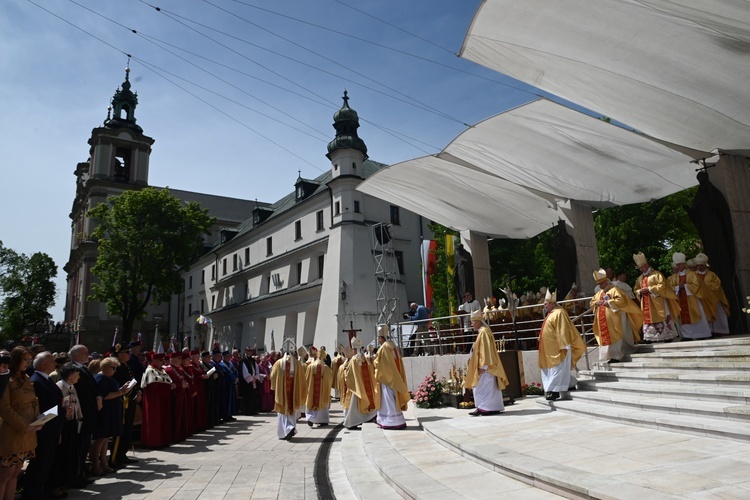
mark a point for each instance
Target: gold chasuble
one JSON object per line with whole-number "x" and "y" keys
{"x": 689, "y": 311}
{"x": 360, "y": 381}
{"x": 319, "y": 383}
{"x": 289, "y": 388}
{"x": 484, "y": 353}
{"x": 557, "y": 332}
{"x": 608, "y": 319}
{"x": 389, "y": 370}
{"x": 653, "y": 303}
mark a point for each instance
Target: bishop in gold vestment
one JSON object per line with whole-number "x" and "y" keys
{"x": 288, "y": 382}
{"x": 617, "y": 320}
{"x": 391, "y": 385}
{"x": 485, "y": 374}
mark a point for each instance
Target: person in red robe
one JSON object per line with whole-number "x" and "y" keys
{"x": 266, "y": 394}
{"x": 156, "y": 423}
{"x": 192, "y": 392}
{"x": 201, "y": 413}
{"x": 178, "y": 397}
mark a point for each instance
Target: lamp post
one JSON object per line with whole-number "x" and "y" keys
{"x": 157, "y": 340}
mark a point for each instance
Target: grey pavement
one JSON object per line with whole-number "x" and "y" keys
{"x": 235, "y": 461}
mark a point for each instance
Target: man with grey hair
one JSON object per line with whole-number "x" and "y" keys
{"x": 91, "y": 403}
{"x": 35, "y": 482}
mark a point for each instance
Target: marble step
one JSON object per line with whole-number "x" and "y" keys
{"x": 687, "y": 424}
{"x": 718, "y": 343}
{"x": 698, "y": 364}
{"x": 710, "y": 378}
{"x": 737, "y": 395}
{"x": 418, "y": 467}
{"x": 672, "y": 405}
{"x": 728, "y": 355}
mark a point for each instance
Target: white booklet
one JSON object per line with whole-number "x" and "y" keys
{"x": 132, "y": 383}
{"x": 211, "y": 371}
{"x": 45, "y": 417}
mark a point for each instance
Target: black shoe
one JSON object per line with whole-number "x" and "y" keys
{"x": 553, "y": 396}
{"x": 309, "y": 423}
{"x": 230, "y": 419}
{"x": 322, "y": 425}
{"x": 475, "y": 413}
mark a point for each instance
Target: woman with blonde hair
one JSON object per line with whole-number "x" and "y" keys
{"x": 110, "y": 416}
{"x": 19, "y": 407}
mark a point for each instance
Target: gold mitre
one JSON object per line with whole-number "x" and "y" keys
{"x": 600, "y": 276}
{"x": 384, "y": 331}
{"x": 550, "y": 296}
{"x": 700, "y": 259}
{"x": 640, "y": 259}
{"x": 678, "y": 258}
{"x": 356, "y": 344}
{"x": 476, "y": 316}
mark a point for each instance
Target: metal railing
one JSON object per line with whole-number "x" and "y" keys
{"x": 448, "y": 335}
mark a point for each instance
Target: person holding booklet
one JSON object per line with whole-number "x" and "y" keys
{"x": 18, "y": 409}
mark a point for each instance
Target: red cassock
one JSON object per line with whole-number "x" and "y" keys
{"x": 179, "y": 405}
{"x": 201, "y": 412}
{"x": 156, "y": 423}
{"x": 187, "y": 375}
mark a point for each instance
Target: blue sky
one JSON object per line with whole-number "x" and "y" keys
{"x": 239, "y": 95}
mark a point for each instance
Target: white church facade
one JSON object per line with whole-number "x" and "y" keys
{"x": 304, "y": 268}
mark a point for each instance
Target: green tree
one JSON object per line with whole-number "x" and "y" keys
{"x": 146, "y": 239}
{"x": 657, "y": 229}
{"x": 28, "y": 291}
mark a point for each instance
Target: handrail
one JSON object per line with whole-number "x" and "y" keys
{"x": 448, "y": 335}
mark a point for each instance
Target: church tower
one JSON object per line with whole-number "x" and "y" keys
{"x": 118, "y": 161}
{"x": 349, "y": 289}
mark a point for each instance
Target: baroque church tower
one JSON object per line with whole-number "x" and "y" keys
{"x": 118, "y": 161}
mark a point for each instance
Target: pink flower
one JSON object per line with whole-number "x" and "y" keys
{"x": 432, "y": 388}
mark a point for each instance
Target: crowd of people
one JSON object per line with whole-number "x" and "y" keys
{"x": 75, "y": 416}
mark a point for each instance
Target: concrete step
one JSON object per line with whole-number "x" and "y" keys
{"x": 417, "y": 467}
{"x": 352, "y": 474}
{"x": 672, "y": 405}
{"x": 737, "y": 395}
{"x": 718, "y": 343}
{"x": 688, "y": 424}
{"x": 701, "y": 355}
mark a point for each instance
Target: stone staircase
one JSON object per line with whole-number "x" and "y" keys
{"x": 695, "y": 387}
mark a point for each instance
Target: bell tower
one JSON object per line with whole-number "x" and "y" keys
{"x": 118, "y": 161}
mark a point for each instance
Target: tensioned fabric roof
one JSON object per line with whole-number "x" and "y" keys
{"x": 463, "y": 197}
{"x": 508, "y": 175}
{"x": 676, "y": 70}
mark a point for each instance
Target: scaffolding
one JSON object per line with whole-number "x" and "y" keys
{"x": 386, "y": 272}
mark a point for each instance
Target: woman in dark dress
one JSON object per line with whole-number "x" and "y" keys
{"x": 110, "y": 416}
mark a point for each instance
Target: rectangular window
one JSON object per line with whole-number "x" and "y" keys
{"x": 400, "y": 261}
{"x": 269, "y": 245}
{"x": 356, "y": 207}
{"x": 190, "y": 308}
{"x": 224, "y": 266}
{"x": 213, "y": 302}
{"x": 319, "y": 219}
{"x": 299, "y": 272}
{"x": 213, "y": 272}
{"x": 247, "y": 256}
{"x": 395, "y": 216}
{"x": 203, "y": 276}
{"x": 337, "y": 208}
{"x": 202, "y": 304}
{"x": 297, "y": 230}
{"x": 190, "y": 283}
{"x": 321, "y": 262}
{"x": 234, "y": 262}
{"x": 268, "y": 284}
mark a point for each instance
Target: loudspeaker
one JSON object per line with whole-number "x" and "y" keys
{"x": 382, "y": 234}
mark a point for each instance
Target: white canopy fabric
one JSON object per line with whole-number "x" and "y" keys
{"x": 553, "y": 149}
{"x": 676, "y": 70}
{"x": 462, "y": 197}
{"x": 513, "y": 174}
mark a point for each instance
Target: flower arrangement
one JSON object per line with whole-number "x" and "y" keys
{"x": 533, "y": 389}
{"x": 430, "y": 392}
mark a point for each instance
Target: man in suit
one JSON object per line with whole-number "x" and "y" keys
{"x": 91, "y": 403}
{"x": 50, "y": 396}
